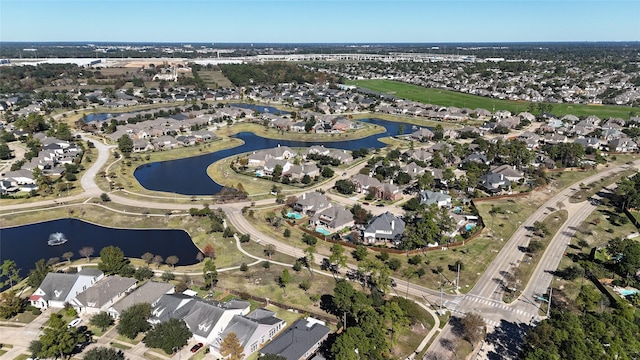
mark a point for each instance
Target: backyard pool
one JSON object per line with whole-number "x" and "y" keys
{"x": 627, "y": 292}
{"x": 322, "y": 231}
{"x": 469, "y": 227}
{"x": 292, "y": 215}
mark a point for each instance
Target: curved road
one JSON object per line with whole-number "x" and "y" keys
{"x": 485, "y": 298}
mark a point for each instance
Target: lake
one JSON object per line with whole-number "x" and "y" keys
{"x": 189, "y": 176}
{"x": 27, "y": 244}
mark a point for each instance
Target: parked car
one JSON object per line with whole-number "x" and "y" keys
{"x": 74, "y": 323}
{"x": 196, "y": 347}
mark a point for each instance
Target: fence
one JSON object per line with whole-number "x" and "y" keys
{"x": 633, "y": 219}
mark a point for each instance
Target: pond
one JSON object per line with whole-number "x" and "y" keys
{"x": 27, "y": 244}
{"x": 189, "y": 176}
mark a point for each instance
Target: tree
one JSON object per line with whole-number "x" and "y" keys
{"x": 86, "y": 252}
{"x": 9, "y": 273}
{"x": 147, "y": 257}
{"x": 105, "y": 197}
{"x": 345, "y": 187}
{"x": 168, "y": 335}
{"x": 125, "y": 145}
{"x": 360, "y": 253}
{"x": 360, "y": 215}
{"x": 68, "y": 255}
{"x": 473, "y": 327}
{"x": 112, "y": 261}
{"x": 306, "y": 179}
{"x": 157, "y": 259}
{"x": 305, "y": 285}
{"x": 10, "y": 304}
{"x": 209, "y": 251}
{"x": 5, "y": 151}
{"x": 394, "y": 264}
{"x": 101, "y": 320}
{"x": 210, "y": 274}
{"x": 172, "y": 260}
{"x": 286, "y": 233}
{"x": 133, "y": 320}
{"x": 284, "y": 279}
{"x": 199, "y": 256}
{"x": 58, "y": 340}
{"x": 535, "y": 246}
{"x": 327, "y": 172}
{"x": 277, "y": 172}
{"x": 104, "y": 353}
{"x": 230, "y": 348}
{"x": 143, "y": 273}
{"x": 244, "y": 267}
{"x": 338, "y": 256}
{"x": 38, "y": 274}
{"x": 269, "y": 250}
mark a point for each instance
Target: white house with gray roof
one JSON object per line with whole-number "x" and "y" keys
{"x": 57, "y": 288}
{"x": 299, "y": 341}
{"x": 334, "y": 218}
{"x": 148, "y": 293}
{"x": 103, "y": 294}
{"x": 252, "y": 330}
{"x": 384, "y": 227}
{"x": 311, "y": 203}
{"x": 440, "y": 199}
{"x": 206, "y": 320}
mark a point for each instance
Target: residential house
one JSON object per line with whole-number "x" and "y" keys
{"x": 252, "y": 331}
{"x": 311, "y": 203}
{"x": 297, "y": 172}
{"x": 57, "y": 289}
{"x": 510, "y": 172}
{"x": 494, "y": 183}
{"x": 206, "y": 320}
{"x": 423, "y": 134}
{"x": 588, "y": 142}
{"x": 148, "y": 293}
{"x": 384, "y": 227}
{"x": 413, "y": 169}
{"x": 421, "y": 154}
{"x": 103, "y": 294}
{"x": 342, "y": 155}
{"x": 334, "y": 218}
{"x": 623, "y": 144}
{"x": 364, "y": 183}
{"x": 428, "y": 197}
{"x": 299, "y": 341}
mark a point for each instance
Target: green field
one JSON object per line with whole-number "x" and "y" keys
{"x": 452, "y": 98}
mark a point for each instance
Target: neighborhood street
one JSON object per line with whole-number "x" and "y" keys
{"x": 485, "y": 298}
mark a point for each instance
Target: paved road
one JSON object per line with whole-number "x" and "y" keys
{"x": 486, "y": 296}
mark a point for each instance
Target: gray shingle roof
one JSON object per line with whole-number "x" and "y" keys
{"x": 296, "y": 340}
{"x": 103, "y": 291}
{"x": 147, "y": 293}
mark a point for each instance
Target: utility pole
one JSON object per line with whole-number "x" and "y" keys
{"x": 458, "y": 278}
{"x": 440, "y": 293}
{"x": 549, "y": 304}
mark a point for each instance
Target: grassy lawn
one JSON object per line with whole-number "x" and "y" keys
{"x": 452, "y": 98}
{"x": 22, "y": 357}
{"x": 119, "y": 345}
{"x": 257, "y": 249}
{"x": 597, "y": 230}
{"x": 221, "y": 172}
{"x": 215, "y": 79}
{"x": 261, "y": 282}
{"x": 525, "y": 269}
{"x": 272, "y": 133}
{"x": 154, "y": 355}
{"x": 24, "y": 317}
{"x": 129, "y": 341}
{"x": 591, "y": 189}
{"x": 289, "y": 316}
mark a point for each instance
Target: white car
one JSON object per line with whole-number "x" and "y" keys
{"x": 74, "y": 323}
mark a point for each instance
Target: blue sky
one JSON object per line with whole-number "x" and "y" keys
{"x": 308, "y": 21}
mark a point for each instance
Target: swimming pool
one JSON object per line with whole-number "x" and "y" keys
{"x": 469, "y": 227}
{"x": 292, "y": 215}
{"x": 627, "y": 292}
{"x": 322, "y": 231}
